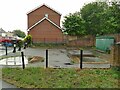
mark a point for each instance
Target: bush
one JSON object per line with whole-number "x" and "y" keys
{"x": 28, "y": 40}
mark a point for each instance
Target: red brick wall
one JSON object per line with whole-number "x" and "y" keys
{"x": 89, "y": 40}
{"x": 116, "y": 36}
{"x": 39, "y": 13}
{"x": 83, "y": 41}
{"x": 46, "y": 32}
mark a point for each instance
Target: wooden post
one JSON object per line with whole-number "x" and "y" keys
{"x": 23, "y": 63}
{"x": 46, "y": 58}
{"x": 81, "y": 58}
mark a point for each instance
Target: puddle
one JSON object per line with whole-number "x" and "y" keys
{"x": 13, "y": 61}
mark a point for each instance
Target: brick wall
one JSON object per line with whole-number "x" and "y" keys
{"x": 115, "y": 55}
{"x": 47, "y": 32}
{"x": 39, "y": 13}
{"x": 87, "y": 40}
{"x": 82, "y": 41}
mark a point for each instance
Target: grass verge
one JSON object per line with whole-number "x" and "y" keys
{"x": 62, "y": 78}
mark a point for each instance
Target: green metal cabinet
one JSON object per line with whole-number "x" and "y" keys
{"x": 104, "y": 42}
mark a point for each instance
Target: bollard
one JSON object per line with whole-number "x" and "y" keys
{"x": 81, "y": 58}
{"x": 46, "y": 58}
{"x": 23, "y": 63}
{"x": 14, "y": 49}
{"x": 25, "y": 45}
{"x": 6, "y": 49}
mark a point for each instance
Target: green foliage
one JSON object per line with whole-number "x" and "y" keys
{"x": 74, "y": 24}
{"x": 28, "y": 39}
{"x": 101, "y": 18}
{"x": 20, "y": 43}
{"x": 114, "y": 17}
{"x": 61, "y": 78}
{"x": 96, "y": 18}
{"x": 19, "y": 33}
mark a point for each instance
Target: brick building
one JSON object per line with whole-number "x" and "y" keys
{"x": 44, "y": 25}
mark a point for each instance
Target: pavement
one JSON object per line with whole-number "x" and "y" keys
{"x": 4, "y": 85}
{"x": 58, "y": 58}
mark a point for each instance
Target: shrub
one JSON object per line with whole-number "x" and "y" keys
{"x": 28, "y": 39}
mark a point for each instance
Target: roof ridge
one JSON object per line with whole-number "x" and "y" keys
{"x": 41, "y": 6}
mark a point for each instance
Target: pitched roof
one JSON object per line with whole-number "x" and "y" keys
{"x": 2, "y": 31}
{"x": 43, "y": 20}
{"x": 41, "y": 6}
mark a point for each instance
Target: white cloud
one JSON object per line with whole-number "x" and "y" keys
{"x": 13, "y": 12}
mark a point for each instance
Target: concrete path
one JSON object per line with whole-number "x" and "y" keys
{"x": 13, "y": 61}
{"x": 58, "y": 59}
{"x": 4, "y": 84}
{"x": 3, "y": 52}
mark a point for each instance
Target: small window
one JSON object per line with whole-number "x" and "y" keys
{"x": 46, "y": 15}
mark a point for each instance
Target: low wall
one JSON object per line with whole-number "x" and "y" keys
{"x": 82, "y": 41}
{"x": 115, "y": 53}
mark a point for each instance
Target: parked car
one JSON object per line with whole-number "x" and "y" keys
{"x": 7, "y": 42}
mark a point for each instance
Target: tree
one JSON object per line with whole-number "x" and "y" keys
{"x": 74, "y": 24}
{"x": 101, "y": 18}
{"x": 114, "y": 17}
{"x": 19, "y": 33}
{"x": 92, "y": 14}
{"x": 96, "y": 18}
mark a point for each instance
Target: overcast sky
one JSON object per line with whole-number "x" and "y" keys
{"x": 13, "y": 12}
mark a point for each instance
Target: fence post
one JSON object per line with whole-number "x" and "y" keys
{"x": 23, "y": 63}
{"x": 46, "y": 58}
{"x": 81, "y": 58}
{"x": 6, "y": 49}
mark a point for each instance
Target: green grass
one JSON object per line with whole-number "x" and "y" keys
{"x": 62, "y": 78}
